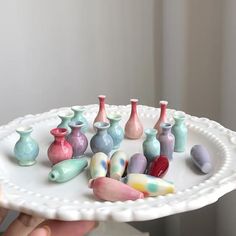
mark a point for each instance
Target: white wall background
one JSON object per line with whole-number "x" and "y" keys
{"x": 63, "y": 52}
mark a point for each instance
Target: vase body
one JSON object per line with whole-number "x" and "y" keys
{"x": 179, "y": 130}
{"x": 66, "y": 170}
{"x": 133, "y": 127}
{"x": 65, "y": 120}
{"x": 167, "y": 141}
{"x": 151, "y": 146}
{"x": 78, "y": 116}
{"x": 162, "y": 117}
{"x": 137, "y": 164}
{"x": 101, "y": 141}
{"x": 115, "y": 130}
{"x": 60, "y": 149}
{"x": 77, "y": 139}
{"x": 26, "y": 148}
{"x": 101, "y": 116}
{"x": 98, "y": 165}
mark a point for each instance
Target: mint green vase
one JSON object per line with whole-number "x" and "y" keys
{"x": 68, "y": 169}
{"x": 78, "y": 116}
{"x": 180, "y": 131}
{"x": 65, "y": 120}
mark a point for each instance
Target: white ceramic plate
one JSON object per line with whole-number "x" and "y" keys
{"x": 27, "y": 189}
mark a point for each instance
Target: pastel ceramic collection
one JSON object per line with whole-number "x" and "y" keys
{"x": 98, "y": 165}
{"x": 133, "y": 127}
{"x": 167, "y": 141}
{"x": 137, "y": 163}
{"x": 179, "y": 130}
{"x": 159, "y": 167}
{"x": 162, "y": 117}
{"x": 77, "y": 139}
{"x": 101, "y": 116}
{"x": 151, "y": 146}
{"x": 26, "y": 148}
{"x": 78, "y": 116}
{"x": 115, "y": 130}
{"x": 60, "y": 149}
{"x": 66, "y": 170}
{"x": 101, "y": 141}
{"x": 65, "y": 117}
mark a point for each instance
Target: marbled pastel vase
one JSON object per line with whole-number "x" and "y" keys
{"x": 162, "y": 117}
{"x": 151, "y": 146}
{"x": 167, "y": 141}
{"x": 180, "y": 131}
{"x": 60, "y": 149}
{"x": 26, "y": 148}
{"x": 115, "y": 130}
{"x": 65, "y": 120}
{"x": 133, "y": 127}
{"x": 98, "y": 165}
{"x": 101, "y": 116}
{"x": 77, "y": 139}
{"x": 78, "y": 116}
{"x": 101, "y": 141}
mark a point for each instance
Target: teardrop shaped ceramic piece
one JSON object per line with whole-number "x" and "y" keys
{"x": 159, "y": 166}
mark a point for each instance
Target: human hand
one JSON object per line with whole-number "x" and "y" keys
{"x": 25, "y": 225}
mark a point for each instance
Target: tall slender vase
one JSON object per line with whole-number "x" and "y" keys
{"x": 167, "y": 141}
{"x": 179, "y": 130}
{"x": 101, "y": 141}
{"x": 65, "y": 120}
{"x": 133, "y": 127}
{"x": 78, "y": 116}
{"x": 101, "y": 116}
{"x": 115, "y": 130}
{"x": 26, "y": 148}
{"x": 77, "y": 139}
{"x": 60, "y": 149}
{"x": 162, "y": 117}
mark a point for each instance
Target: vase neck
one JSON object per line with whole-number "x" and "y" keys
{"x": 134, "y": 108}
{"x": 163, "y": 110}
{"x": 150, "y": 134}
{"x": 166, "y": 128}
{"x": 101, "y": 103}
{"x": 101, "y": 131}
{"x": 59, "y": 139}
{"x": 75, "y": 130}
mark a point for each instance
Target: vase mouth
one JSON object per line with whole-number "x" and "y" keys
{"x": 163, "y": 102}
{"x": 59, "y": 132}
{"x": 166, "y": 125}
{"x": 76, "y": 124}
{"x": 78, "y": 108}
{"x": 101, "y": 125}
{"x": 66, "y": 114}
{"x": 179, "y": 115}
{"x": 150, "y": 131}
{"x": 101, "y": 96}
{"x": 134, "y": 100}
{"x": 24, "y": 129}
{"x": 115, "y": 117}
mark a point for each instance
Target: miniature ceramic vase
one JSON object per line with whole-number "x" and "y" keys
{"x": 68, "y": 169}
{"x": 101, "y": 116}
{"x": 65, "y": 120}
{"x": 163, "y": 116}
{"x": 179, "y": 130}
{"x": 137, "y": 164}
{"x": 60, "y": 149}
{"x": 78, "y": 116}
{"x": 98, "y": 165}
{"x": 115, "y": 130}
{"x": 26, "y": 148}
{"x": 167, "y": 141}
{"x": 159, "y": 166}
{"x": 77, "y": 139}
{"x": 133, "y": 127}
{"x": 101, "y": 141}
{"x": 151, "y": 146}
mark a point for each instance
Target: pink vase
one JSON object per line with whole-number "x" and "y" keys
{"x": 133, "y": 127}
{"x": 60, "y": 149}
{"x": 163, "y": 116}
{"x": 101, "y": 116}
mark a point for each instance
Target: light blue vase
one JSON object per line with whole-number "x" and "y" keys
{"x": 78, "y": 116}
{"x": 65, "y": 120}
{"x": 151, "y": 146}
{"x": 26, "y": 148}
{"x": 180, "y": 131}
{"x": 115, "y": 130}
{"x": 101, "y": 141}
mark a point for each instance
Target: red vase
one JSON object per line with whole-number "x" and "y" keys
{"x": 60, "y": 149}
{"x": 159, "y": 166}
{"x": 133, "y": 127}
{"x": 101, "y": 116}
{"x": 163, "y": 116}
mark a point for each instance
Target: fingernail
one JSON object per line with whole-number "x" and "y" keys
{"x": 43, "y": 231}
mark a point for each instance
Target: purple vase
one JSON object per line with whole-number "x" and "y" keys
{"x": 77, "y": 139}
{"x": 167, "y": 140}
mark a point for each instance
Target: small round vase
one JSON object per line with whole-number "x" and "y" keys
{"x": 179, "y": 130}
{"x": 101, "y": 141}
{"x": 101, "y": 116}
{"x": 133, "y": 127}
{"x": 60, "y": 149}
{"x": 162, "y": 117}
{"x": 78, "y": 116}
{"x": 65, "y": 120}
{"x": 26, "y": 148}
{"x": 77, "y": 139}
{"x": 115, "y": 130}
{"x": 167, "y": 141}
{"x": 151, "y": 146}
